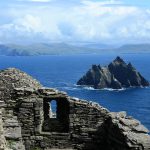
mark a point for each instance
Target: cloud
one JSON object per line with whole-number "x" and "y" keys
{"x": 40, "y": 0}
{"x": 101, "y": 3}
{"x": 43, "y": 1}
{"x": 106, "y": 21}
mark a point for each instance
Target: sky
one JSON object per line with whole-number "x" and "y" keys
{"x": 98, "y": 21}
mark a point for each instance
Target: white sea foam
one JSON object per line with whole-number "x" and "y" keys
{"x": 85, "y": 87}
{"x": 104, "y": 89}
{"x": 78, "y": 87}
{"x": 70, "y": 88}
{"x": 90, "y": 88}
{"x": 110, "y": 89}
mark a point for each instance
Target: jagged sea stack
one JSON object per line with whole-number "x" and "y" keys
{"x": 116, "y": 75}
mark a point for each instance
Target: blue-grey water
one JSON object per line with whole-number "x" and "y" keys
{"x": 62, "y": 72}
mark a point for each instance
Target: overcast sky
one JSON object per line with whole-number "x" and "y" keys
{"x": 103, "y": 21}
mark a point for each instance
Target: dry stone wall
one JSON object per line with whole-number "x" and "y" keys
{"x": 2, "y": 137}
{"x": 90, "y": 126}
{"x": 79, "y": 124}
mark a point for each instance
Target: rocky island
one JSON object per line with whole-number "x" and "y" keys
{"x": 116, "y": 75}
{"x": 26, "y": 122}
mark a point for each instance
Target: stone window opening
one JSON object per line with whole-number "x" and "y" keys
{"x": 53, "y": 109}
{"x": 56, "y": 115}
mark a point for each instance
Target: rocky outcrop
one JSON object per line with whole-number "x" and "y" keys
{"x": 25, "y": 122}
{"x": 116, "y": 75}
{"x": 131, "y": 134}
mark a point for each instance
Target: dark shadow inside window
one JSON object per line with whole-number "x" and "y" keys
{"x": 56, "y": 115}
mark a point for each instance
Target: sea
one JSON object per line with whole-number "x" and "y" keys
{"x": 63, "y": 72}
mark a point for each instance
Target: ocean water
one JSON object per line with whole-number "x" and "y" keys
{"x": 62, "y": 72}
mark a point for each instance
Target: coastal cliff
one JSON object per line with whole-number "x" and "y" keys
{"x": 116, "y": 75}
{"x": 25, "y": 122}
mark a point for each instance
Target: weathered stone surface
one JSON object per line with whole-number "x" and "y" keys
{"x": 116, "y": 75}
{"x": 133, "y": 135}
{"x": 13, "y": 78}
{"x": 2, "y": 137}
{"x": 25, "y": 122}
{"x": 12, "y": 130}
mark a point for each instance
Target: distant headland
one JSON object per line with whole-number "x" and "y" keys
{"x": 37, "y": 49}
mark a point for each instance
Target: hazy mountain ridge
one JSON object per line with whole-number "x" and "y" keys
{"x": 143, "y": 48}
{"x": 43, "y": 49}
{"x": 69, "y": 49}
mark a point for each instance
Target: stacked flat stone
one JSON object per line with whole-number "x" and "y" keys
{"x": 85, "y": 125}
{"x": 14, "y": 78}
{"x": 9, "y": 79}
{"x": 2, "y": 137}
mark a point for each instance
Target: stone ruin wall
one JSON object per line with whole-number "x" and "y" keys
{"x": 80, "y": 124}
{"x": 2, "y": 137}
{"x": 79, "y": 128}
